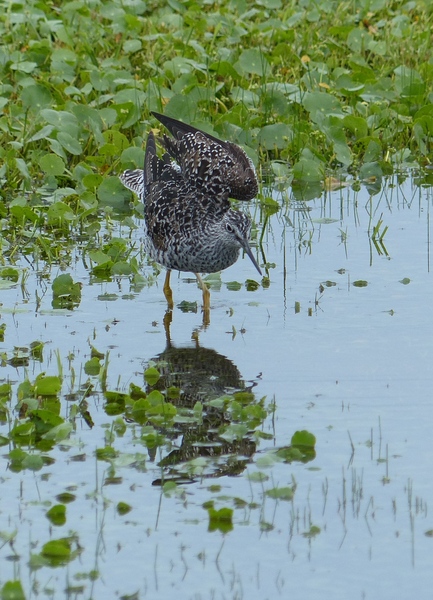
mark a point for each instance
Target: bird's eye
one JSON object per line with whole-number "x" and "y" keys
{"x": 229, "y": 228}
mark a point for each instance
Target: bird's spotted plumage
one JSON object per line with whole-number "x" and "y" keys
{"x": 210, "y": 163}
{"x": 190, "y": 225}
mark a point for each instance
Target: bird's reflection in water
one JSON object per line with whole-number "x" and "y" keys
{"x": 201, "y": 375}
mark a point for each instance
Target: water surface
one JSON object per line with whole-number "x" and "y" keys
{"x": 338, "y": 344}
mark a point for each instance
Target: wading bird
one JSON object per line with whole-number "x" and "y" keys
{"x": 190, "y": 225}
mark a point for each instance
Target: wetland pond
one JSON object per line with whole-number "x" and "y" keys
{"x": 149, "y": 459}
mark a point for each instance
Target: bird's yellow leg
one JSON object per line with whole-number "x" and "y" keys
{"x": 206, "y": 292}
{"x": 206, "y": 300}
{"x": 167, "y": 290}
{"x": 167, "y": 322}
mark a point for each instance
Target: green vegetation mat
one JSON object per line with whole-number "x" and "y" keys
{"x": 311, "y": 88}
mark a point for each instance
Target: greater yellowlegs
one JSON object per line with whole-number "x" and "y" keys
{"x": 190, "y": 225}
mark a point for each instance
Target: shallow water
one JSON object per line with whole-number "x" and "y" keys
{"x": 349, "y": 362}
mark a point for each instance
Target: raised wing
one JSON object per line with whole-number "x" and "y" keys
{"x": 209, "y": 163}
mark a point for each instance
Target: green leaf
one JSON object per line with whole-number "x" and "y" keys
{"x": 59, "y": 432}
{"x": 281, "y": 493}
{"x": 123, "y": 508}
{"x": 131, "y": 46}
{"x": 92, "y": 181}
{"x": 122, "y": 268}
{"x": 373, "y": 153}
{"x": 357, "y": 126}
{"x": 5, "y": 391}
{"x": 113, "y": 193}
{"x": 221, "y": 519}
{"x": 234, "y": 432}
{"x": 139, "y": 410}
{"x": 348, "y": 84}
{"x": 22, "y": 167}
{"x": 152, "y": 375}
{"x": 224, "y": 69}
{"x": 408, "y": 81}
{"x": 66, "y": 497}
{"x": 169, "y": 488}
{"x": 181, "y": 107}
{"x": 358, "y": 40}
{"x": 33, "y": 462}
{"x": 132, "y": 158}
{"x": 100, "y": 258}
{"x": 128, "y": 113}
{"x": 312, "y": 532}
{"x": 155, "y": 398}
{"x": 244, "y": 397}
{"x": 274, "y": 136}
{"x": 17, "y": 455}
{"x": 370, "y": 171}
{"x": 234, "y": 286}
{"x": 267, "y": 460}
{"x": 159, "y": 410}
{"x": 21, "y": 433}
{"x": 254, "y": 62}
{"x": 303, "y": 438}
{"x": 36, "y": 97}
{"x": 92, "y": 367}
{"x": 60, "y": 214}
{"x": 69, "y": 143}
{"x": 136, "y": 392}
{"x": 10, "y": 273}
{"x": 36, "y": 350}
{"x": 60, "y": 119}
{"x": 308, "y": 170}
{"x": 25, "y": 66}
{"x": 52, "y": 164}
{"x": 60, "y": 549}
{"x": 320, "y": 103}
{"x": 333, "y": 127}
{"x": 64, "y": 285}
{"x": 23, "y": 214}
{"x": 116, "y": 139}
{"x": 257, "y": 477}
{"x": 66, "y": 293}
{"x": 116, "y": 397}
{"x": 252, "y": 285}
{"x": 44, "y": 418}
{"x": 108, "y": 453}
{"x": 47, "y": 385}
{"x": 57, "y": 514}
{"x": 12, "y": 590}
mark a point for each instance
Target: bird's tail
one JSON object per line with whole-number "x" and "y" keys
{"x": 178, "y": 128}
{"x": 154, "y": 169}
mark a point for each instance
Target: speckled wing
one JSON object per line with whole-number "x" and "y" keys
{"x": 175, "y": 212}
{"x": 155, "y": 169}
{"x": 209, "y": 163}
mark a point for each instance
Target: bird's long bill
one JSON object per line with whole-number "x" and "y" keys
{"x": 246, "y": 247}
